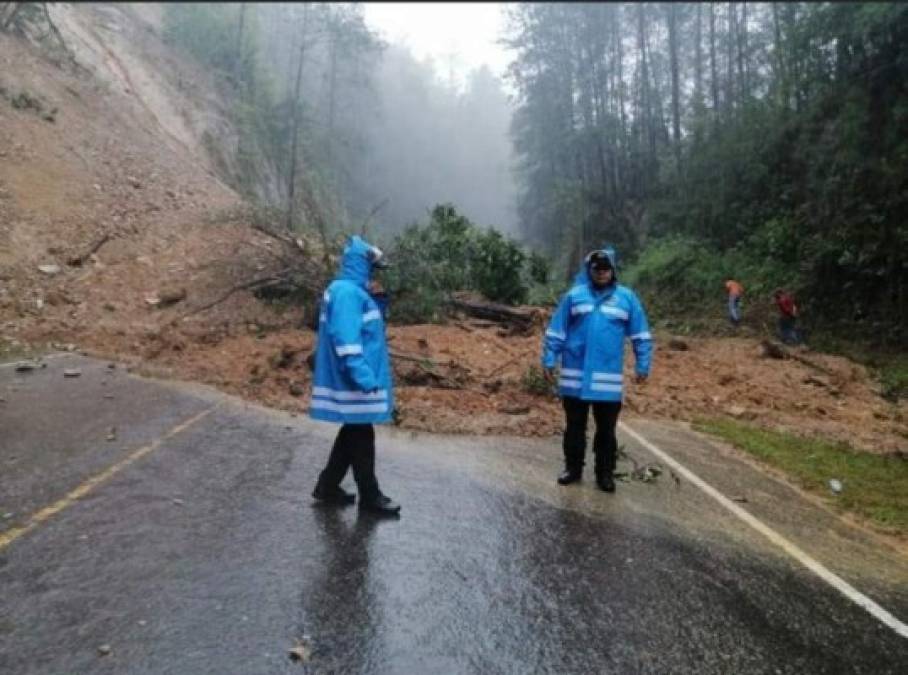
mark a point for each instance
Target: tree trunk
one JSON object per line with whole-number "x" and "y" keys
{"x": 730, "y": 59}
{"x": 238, "y": 66}
{"x": 676, "y": 103}
{"x": 619, "y": 57}
{"x": 645, "y": 105}
{"x": 714, "y": 68}
{"x": 698, "y": 58}
{"x": 332, "y": 81}
{"x": 295, "y": 126}
{"x": 744, "y": 69}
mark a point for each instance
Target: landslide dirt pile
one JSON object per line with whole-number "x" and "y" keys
{"x": 473, "y": 377}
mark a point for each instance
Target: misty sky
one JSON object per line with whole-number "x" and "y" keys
{"x": 440, "y": 29}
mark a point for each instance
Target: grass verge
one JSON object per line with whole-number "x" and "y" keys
{"x": 874, "y": 486}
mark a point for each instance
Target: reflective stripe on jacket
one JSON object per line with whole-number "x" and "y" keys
{"x": 352, "y": 380}
{"x": 588, "y": 330}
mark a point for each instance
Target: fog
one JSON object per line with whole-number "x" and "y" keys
{"x": 382, "y": 136}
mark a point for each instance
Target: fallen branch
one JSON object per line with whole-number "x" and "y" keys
{"x": 375, "y": 209}
{"x": 245, "y": 286}
{"x": 413, "y": 359}
{"x": 79, "y": 260}
{"x": 511, "y": 316}
{"x": 501, "y": 367}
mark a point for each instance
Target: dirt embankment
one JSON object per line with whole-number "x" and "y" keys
{"x": 466, "y": 377}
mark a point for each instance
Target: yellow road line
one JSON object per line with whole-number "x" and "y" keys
{"x": 8, "y": 537}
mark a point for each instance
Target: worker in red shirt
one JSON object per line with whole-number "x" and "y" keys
{"x": 788, "y": 316}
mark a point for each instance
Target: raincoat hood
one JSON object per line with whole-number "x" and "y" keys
{"x": 583, "y": 274}
{"x": 356, "y": 262}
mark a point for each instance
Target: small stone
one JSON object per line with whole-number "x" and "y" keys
{"x": 296, "y": 389}
{"x": 50, "y": 270}
{"x": 112, "y": 434}
{"x": 104, "y": 650}
{"x": 177, "y": 501}
{"x": 835, "y": 485}
{"x": 72, "y": 372}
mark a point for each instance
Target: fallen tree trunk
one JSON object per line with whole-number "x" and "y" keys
{"x": 514, "y": 317}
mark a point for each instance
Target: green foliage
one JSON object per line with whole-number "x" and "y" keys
{"x": 497, "y": 267}
{"x": 451, "y": 254}
{"x": 794, "y": 174}
{"x": 533, "y": 382}
{"x": 874, "y": 486}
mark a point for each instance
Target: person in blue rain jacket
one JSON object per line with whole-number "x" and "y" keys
{"x": 586, "y": 334}
{"x": 351, "y": 385}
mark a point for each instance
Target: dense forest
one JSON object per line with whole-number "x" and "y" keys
{"x": 336, "y": 126}
{"x": 764, "y": 141}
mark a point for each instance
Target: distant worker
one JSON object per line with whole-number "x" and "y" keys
{"x": 587, "y": 334}
{"x": 352, "y": 379}
{"x": 735, "y": 291}
{"x": 788, "y": 317}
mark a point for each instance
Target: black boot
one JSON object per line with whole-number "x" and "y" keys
{"x": 380, "y": 505}
{"x": 336, "y": 496}
{"x": 606, "y": 481}
{"x": 569, "y": 476}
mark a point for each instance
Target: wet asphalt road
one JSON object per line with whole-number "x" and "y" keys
{"x": 201, "y": 551}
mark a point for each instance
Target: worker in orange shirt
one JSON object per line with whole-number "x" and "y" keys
{"x": 735, "y": 291}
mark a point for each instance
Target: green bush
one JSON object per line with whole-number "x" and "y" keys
{"x": 448, "y": 254}
{"x": 533, "y": 382}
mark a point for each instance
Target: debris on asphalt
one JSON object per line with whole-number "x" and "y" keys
{"x": 25, "y": 367}
{"x": 644, "y": 473}
{"x": 72, "y": 372}
{"x": 112, "y": 434}
{"x": 302, "y": 651}
{"x": 176, "y": 501}
{"x": 104, "y": 650}
{"x": 740, "y": 498}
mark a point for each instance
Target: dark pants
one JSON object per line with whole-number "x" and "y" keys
{"x": 353, "y": 447}
{"x": 788, "y": 330}
{"x": 605, "y": 444}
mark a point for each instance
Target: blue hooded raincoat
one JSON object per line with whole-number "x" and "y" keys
{"x": 588, "y": 330}
{"x": 352, "y": 381}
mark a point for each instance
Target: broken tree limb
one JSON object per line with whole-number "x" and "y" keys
{"x": 245, "y": 286}
{"x": 79, "y": 260}
{"x": 515, "y": 317}
{"x": 364, "y": 230}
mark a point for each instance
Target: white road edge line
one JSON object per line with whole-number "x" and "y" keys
{"x": 817, "y": 568}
